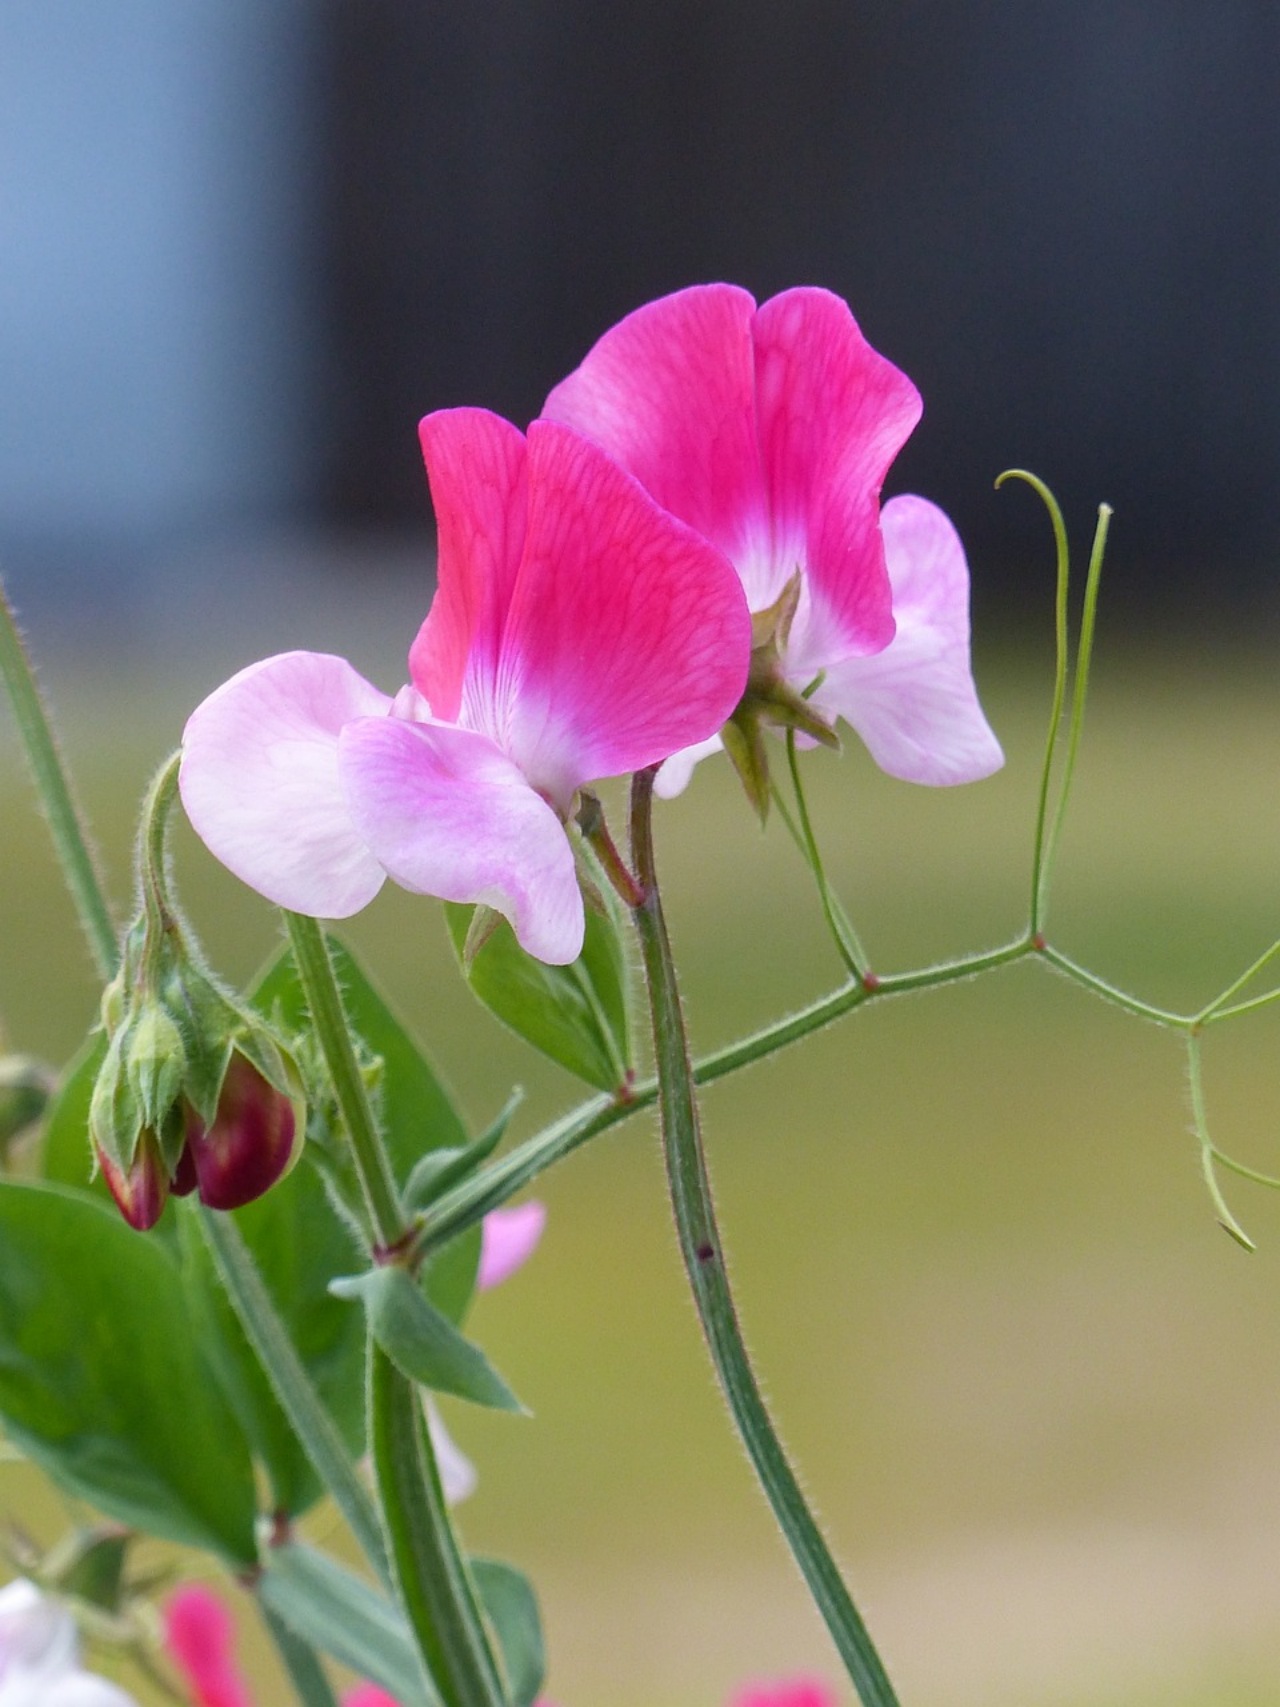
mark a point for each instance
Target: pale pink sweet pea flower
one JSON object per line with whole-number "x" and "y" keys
{"x": 40, "y": 1655}
{"x": 771, "y": 431}
{"x": 578, "y": 632}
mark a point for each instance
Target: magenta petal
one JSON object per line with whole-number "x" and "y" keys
{"x": 508, "y": 1238}
{"x": 475, "y": 465}
{"x": 628, "y": 636}
{"x": 832, "y": 416}
{"x": 914, "y": 704}
{"x": 448, "y": 814}
{"x": 669, "y": 392}
{"x": 259, "y": 782}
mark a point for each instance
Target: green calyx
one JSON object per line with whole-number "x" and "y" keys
{"x": 770, "y": 701}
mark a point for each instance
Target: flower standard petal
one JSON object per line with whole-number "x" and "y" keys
{"x": 476, "y": 470}
{"x": 259, "y": 781}
{"x": 669, "y": 392}
{"x": 914, "y": 704}
{"x": 832, "y": 416}
{"x": 628, "y": 636}
{"x": 447, "y": 813}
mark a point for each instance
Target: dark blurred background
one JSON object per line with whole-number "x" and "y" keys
{"x": 248, "y": 243}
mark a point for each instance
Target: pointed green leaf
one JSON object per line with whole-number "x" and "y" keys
{"x": 440, "y": 1170}
{"x": 101, "y": 1379}
{"x": 422, "y": 1343}
{"x": 575, "y": 1014}
{"x": 339, "y": 1613}
{"x": 512, "y": 1609}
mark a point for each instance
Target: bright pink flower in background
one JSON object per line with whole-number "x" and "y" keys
{"x": 578, "y": 632}
{"x": 798, "y": 1692}
{"x": 770, "y": 430}
{"x": 201, "y": 1638}
{"x": 368, "y": 1695}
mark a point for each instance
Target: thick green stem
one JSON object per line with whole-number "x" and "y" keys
{"x": 324, "y": 1002}
{"x": 431, "y": 1578}
{"x": 49, "y": 773}
{"x": 435, "y": 1587}
{"x": 293, "y": 1387}
{"x": 703, "y": 1256}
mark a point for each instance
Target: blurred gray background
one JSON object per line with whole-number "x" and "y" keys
{"x": 247, "y": 243}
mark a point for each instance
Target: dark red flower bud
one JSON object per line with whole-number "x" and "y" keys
{"x": 141, "y": 1192}
{"x": 251, "y": 1142}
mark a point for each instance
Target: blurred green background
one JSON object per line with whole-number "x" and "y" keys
{"x": 1033, "y": 1388}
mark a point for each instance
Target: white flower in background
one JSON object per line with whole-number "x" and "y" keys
{"x": 40, "y": 1655}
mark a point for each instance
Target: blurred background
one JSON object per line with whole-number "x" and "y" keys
{"x": 246, "y": 244}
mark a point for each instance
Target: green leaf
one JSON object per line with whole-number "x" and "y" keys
{"x": 65, "y": 1153}
{"x": 512, "y": 1609}
{"x": 299, "y": 1245}
{"x": 340, "y": 1614}
{"x": 422, "y": 1343}
{"x": 575, "y": 1014}
{"x": 101, "y": 1379}
{"x": 440, "y": 1170}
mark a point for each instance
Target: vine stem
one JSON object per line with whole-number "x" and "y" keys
{"x": 430, "y": 1572}
{"x": 700, "y": 1247}
{"x": 48, "y": 772}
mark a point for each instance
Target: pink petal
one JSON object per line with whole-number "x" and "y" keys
{"x": 508, "y": 1238}
{"x": 259, "y": 782}
{"x": 200, "y": 1636}
{"x": 669, "y": 392}
{"x": 368, "y": 1695}
{"x": 797, "y": 1692}
{"x": 628, "y": 636}
{"x": 832, "y": 416}
{"x": 914, "y": 704}
{"x": 476, "y": 467}
{"x": 448, "y": 814}
{"x": 458, "y": 1475}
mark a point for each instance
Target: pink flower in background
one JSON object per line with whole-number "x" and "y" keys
{"x": 770, "y": 430}
{"x": 798, "y": 1692}
{"x": 508, "y": 1238}
{"x": 200, "y": 1636}
{"x": 578, "y": 632}
{"x": 368, "y": 1695}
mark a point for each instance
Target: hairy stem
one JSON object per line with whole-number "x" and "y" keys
{"x": 701, "y": 1249}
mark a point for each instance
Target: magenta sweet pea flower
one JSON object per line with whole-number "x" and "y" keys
{"x": 200, "y": 1635}
{"x": 578, "y": 632}
{"x": 770, "y": 430}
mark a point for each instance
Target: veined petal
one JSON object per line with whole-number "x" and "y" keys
{"x": 628, "y": 636}
{"x": 914, "y": 704}
{"x": 832, "y": 416}
{"x": 259, "y": 782}
{"x": 476, "y": 469}
{"x": 447, "y": 813}
{"x": 669, "y": 392}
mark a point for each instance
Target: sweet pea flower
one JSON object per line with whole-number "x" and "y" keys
{"x": 578, "y": 632}
{"x": 40, "y": 1655}
{"x": 771, "y": 430}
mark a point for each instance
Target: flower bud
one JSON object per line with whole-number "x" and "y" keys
{"x": 156, "y": 1063}
{"x": 251, "y": 1141}
{"x": 142, "y": 1189}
